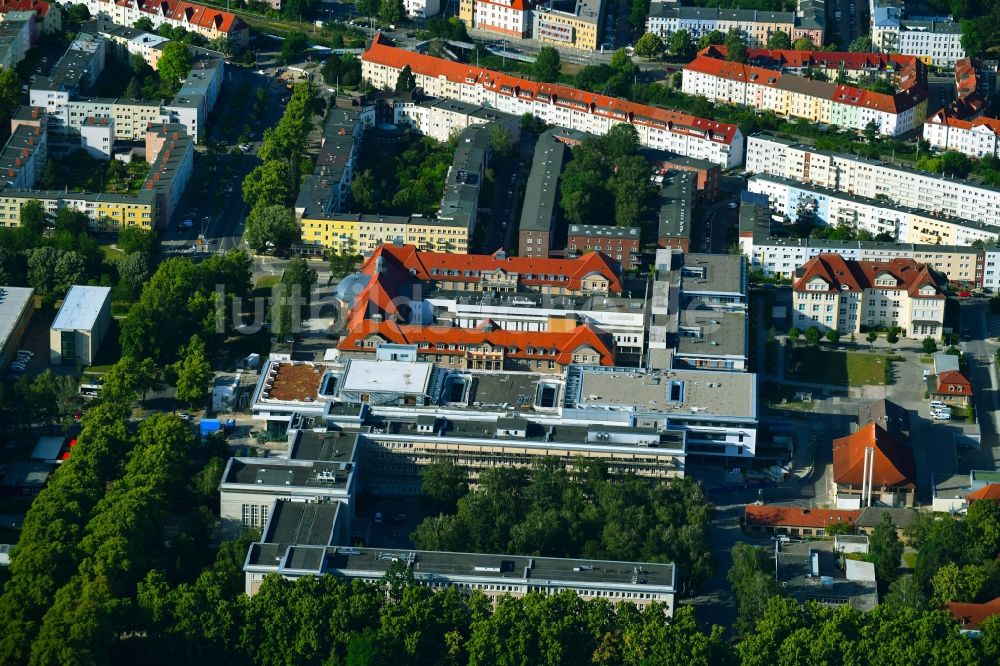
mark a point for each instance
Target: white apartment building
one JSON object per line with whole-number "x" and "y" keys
{"x": 756, "y": 27}
{"x": 503, "y": 17}
{"x": 555, "y": 104}
{"x": 874, "y": 179}
{"x": 936, "y": 40}
{"x": 422, "y": 8}
{"x": 991, "y": 269}
{"x": 17, "y": 31}
{"x": 775, "y": 88}
{"x": 800, "y": 202}
{"x": 975, "y": 138}
{"x": 847, "y": 295}
{"x": 208, "y": 22}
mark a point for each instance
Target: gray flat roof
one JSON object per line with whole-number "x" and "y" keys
{"x": 276, "y": 472}
{"x": 604, "y": 231}
{"x": 715, "y": 273}
{"x": 721, "y": 333}
{"x": 386, "y": 376}
{"x": 540, "y": 190}
{"x": 13, "y": 300}
{"x": 301, "y": 523}
{"x": 676, "y": 204}
{"x": 323, "y": 446}
{"x": 81, "y": 308}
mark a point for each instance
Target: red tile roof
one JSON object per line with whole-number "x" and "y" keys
{"x": 856, "y": 275}
{"x": 190, "y": 13}
{"x": 764, "y": 68}
{"x": 948, "y": 116}
{"x": 953, "y": 382}
{"x": 38, "y": 6}
{"x": 894, "y": 465}
{"x": 789, "y": 516}
{"x": 543, "y": 345}
{"x": 991, "y": 491}
{"x": 382, "y": 52}
{"x": 970, "y": 616}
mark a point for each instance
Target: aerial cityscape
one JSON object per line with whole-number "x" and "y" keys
{"x": 500, "y": 332}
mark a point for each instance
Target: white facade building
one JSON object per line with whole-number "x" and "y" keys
{"x": 80, "y": 325}
{"x": 422, "y": 8}
{"x": 976, "y": 138}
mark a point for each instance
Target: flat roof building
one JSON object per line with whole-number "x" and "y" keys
{"x": 17, "y": 305}
{"x": 80, "y": 325}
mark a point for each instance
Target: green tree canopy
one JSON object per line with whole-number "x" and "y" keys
{"x": 779, "y": 39}
{"x": 649, "y": 46}
{"x": 714, "y": 37}
{"x": 736, "y": 50}
{"x": 194, "y": 373}
{"x": 174, "y": 64}
{"x": 406, "y": 81}
{"x": 270, "y": 227}
{"x": 547, "y": 65}
{"x": 681, "y": 44}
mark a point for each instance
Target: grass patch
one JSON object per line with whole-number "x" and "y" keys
{"x": 838, "y": 368}
{"x": 112, "y": 253}
{"x": 267, "y": 281}
{"x": 929, "y": 360}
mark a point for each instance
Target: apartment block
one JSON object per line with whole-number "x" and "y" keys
{"x": 325, "y": 191}
{"x": 569, "y": 23}
{"x": 362, "y": 233}
{"x": 507, "y": 18}
{"x": 146, "y": 45}
{"x": 48, "y": 15}
{"x": 936, "y": 40}
{"x": 75, "y": 72}
{"x": 976, "y": 138}
{"x": 774, "y": 81}
{"x": 537, "y": 232}
{"x": 442, "y": 119}
{"x": 756, "y": 27}
{"x": 846, "y": 295}
{"x": 676, "y": 206}
{"x": 623, "y": 244}
{"x": 208, "y": 22}
{"x": 422, "y": 8}
{"x": 555, "y": 104}
{"x": 813, "y": 204}
{"x": 170, "y": 153}
{"x": 23, "y": 159}
{"x": 198, "y": 94}
{"x": 17, "y": 35}
{"x": 874, "y": 179}
{"x": 107, "y": 212}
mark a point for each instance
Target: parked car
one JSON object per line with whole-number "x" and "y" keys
{"x": 941, "y": 415}
{"x": 782, "y": 538}
{"x": 184, "y": 415}
{"x": 937, "y": 404}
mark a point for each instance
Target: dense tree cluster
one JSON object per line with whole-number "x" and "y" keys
{"x": 276, "y": 181}
{"x": 404, "y": 183}
{"x": 607, "y": 173}
{"x": 612, "y": 79}
{"x": 979, "y": 19}
{"x": 548, "y": 511}
{"x": 343, "y": 70}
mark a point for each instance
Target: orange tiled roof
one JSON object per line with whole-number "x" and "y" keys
{"x": 190, "y": 13}
{"x": 795, "y": 517}
{"x": 856, "y": 275}
{"x": 991, "y": 491}
{"x": 525, "y": 345}
{"x": 894, "y": 465}
{"x": 381, "y": 52}
{"x": 970, "y": 616}
{"x": 953, "y": 378}
{"x": 949, "y": 117}
{"x": 38, "y": 6}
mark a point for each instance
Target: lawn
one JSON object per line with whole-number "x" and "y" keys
{"x": 837, "y": 368}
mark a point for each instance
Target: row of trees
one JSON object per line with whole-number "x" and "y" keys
{"x": 607, "y": 173}
{"x": 548, "y": 511}
{"x": 271, "y": 188}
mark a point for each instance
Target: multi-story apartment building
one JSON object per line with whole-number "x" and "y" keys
{"x": 325, "y": 191}
{"x": 208, "y": 22}
{"x": 620, "y": 243}
{"x": 846, "y": 295}
{"x": 774, "y": 81}
{"x": 170, "y": 153}
{"x": 48, "y": 15}
{"x": 146, "y": 45}
{"x": 23, "y": 159}
{"x": 441, "y": 119}
{"x": 555, "y": 104}
{"x": 537, "y": 232}
{"x": 803, "y": 203}
{"x": 676, "y": 207}
{"x": 573, "y": 23}
{"x": 874, "y": 179}
{"x": 17, "y": 35}
{"x": 422, "y": 8}
{"x": 976, "y": 138}
{"x": 936, "y": 40}
{"x": 508, "y": 18}
{"x": 362, "y": 233}
{"x": 756, "y": 27}
{"x": 76, "y": 70}
{"x": 107, "y": 212}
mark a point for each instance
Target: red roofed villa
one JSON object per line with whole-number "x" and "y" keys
{"x": 887, "y": 473}
{"x": 850, "y": 296}
{"x": 767, "y": 519}
{"x": 953, "y": 386}
{"x": 970, "y": 616}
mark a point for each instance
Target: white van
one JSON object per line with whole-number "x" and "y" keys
{"x": 937, "y": 404}
{"x": 941, "y": 414}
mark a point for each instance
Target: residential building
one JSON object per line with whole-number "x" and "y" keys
{"x": 952, "y": 493}
{"x": 811, "y": 571}
{"x": 538, "y": 233}
{"x": 48, "y": 15}
{"x": 971, "y": 615}
{"x": 25, "y": 479}
{"x": 953, "y": 386}
{"x": 17, "y": 306}
{"x": 506, "y": 18}
{"x": 976, "y": 138}
{"x": 80, "y": 326}
{"x": 422, "y": 8}
{"x": 936, "y": 40}
{"x": 23, "y": 158}
{"x": 871, "y": 466}
{"x": 569, "y": 23}
{"x": 75, "y": 72}
{"x": 804, "y": 203}
{"x": 776, "y": 81}
{"x": 199, "y": 92}
{"x": 707, "y": 175}
{"x": 676, "y": 207}
{"x": 17, "y": 35}
{"x": 555, "y": 104}
{"x": 851, "y": 296}
{"x": 442, "y": 118}
{"x": 97, "y": 136}
{"x": 326, "y": 190}
{"x": 620, "y": 243}
{"x": 170, "y": 153}
{"x": 208, "y": 22}
{"x": 363, "y": 234}
{"x": 146, "y": 45}
{"x": 305, "y": 540}
{"x": 874, "y": 179}
{"x": 464, "y": 181}
{"x": 130, "y": 117}
{"x": 107, "y": 212}
{"x": 772, "y": 250}
{"x": 794, "y": 521}
{"x": 756, "y": 27}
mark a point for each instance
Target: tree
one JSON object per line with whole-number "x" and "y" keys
{"x": 955, "y": 164}
{"x": 736, "y": 50}
{"x": 500, "y": 141}
{"x": 406, "y": 81}
{"x": 134, "y": 239}
{"x": 194, "y": 373}
{"x": 134, "y": 269}
{"x": 32, "y": 213}
{"x": 174, "y": 64}
{"x": 982, "y": 523}
{"x": 885, "y": 551}
{"x": 714, "y": 37}
{"x": 892, "y": 337}
{"x": 78, "y": 13}
{"x": 445, "y": 483}
{"x": 862, "y": 44}
{"x": 129, "y": 378}
{"x": 833, "y": 335}
{"x": 813, "y": 335}
{"x": 145, "y": 24}
{"x": 294, "y": 289}
{"x": 268, "y": 184}
{"x": 871, "y": 131}
{"x": 753, "y": 583}
{"x": 906, "y": 592}
{"x": 649, "y": 46}
{"x": 794, "y": 333}
{"x": 929, "y": 345}
{"x": 681, "y": 44}
{"x": 871, "y": 337}
{"x": 547, "y": 65}
{"x": 367, "y": 7}
{"x": 779, "y": 39}
{"x": 294, "y": 45}
{"x": 621, "y": 141}
{"x": 804, "y": 44}
{"x": 10, "y": 91}
{"x": 391, "y": 11}
{"x": 270, "y": 227}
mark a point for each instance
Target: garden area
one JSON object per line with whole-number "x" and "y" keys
{"x": 78, "y": 171}
{"x": 838, "y": 368}
{"x": 403, "y": 178}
